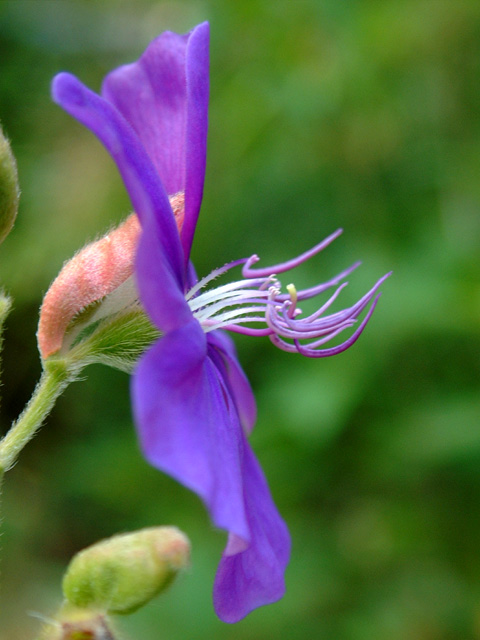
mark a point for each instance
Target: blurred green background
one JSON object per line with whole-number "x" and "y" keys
{"x": 324, "y": 113}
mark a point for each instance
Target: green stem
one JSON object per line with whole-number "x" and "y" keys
{"x": 55, "y": 377}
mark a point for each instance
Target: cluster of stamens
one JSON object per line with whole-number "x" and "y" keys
{"x": 258, "y": 300}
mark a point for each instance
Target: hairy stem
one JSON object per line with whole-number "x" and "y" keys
{"x": 55, "y": 378}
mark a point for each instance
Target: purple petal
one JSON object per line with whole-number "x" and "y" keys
{"x": 188, "y": 425}
{"x": 164, "y": 302}
{"x": 189, "y": 428}
{"x": 160, "y": 259}
{"x": 254, "y": 576}
{"x": 248, "y": 272}
{"x": 164, "y": 96}
{"x": 151, "y": 96}
{"x": 239, "y": 385}
{"x": 197, "y": 126}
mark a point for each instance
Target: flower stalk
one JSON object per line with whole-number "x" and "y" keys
{"x": 55, "y": 378}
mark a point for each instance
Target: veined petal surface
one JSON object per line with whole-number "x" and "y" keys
{"x": 164, "y": 97}
{"x": 238, "y": 382}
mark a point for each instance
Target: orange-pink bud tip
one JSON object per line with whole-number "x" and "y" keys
{"x": 93, "y": 273}
{"x": 89, "y": 276}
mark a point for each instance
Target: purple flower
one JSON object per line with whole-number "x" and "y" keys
{"x": 193, "y": 405}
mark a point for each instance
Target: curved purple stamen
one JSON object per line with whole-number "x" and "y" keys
{"x": 248, "y": 272}
{"x": 330, "y": 321}
{"x": 249, "y": 331}
{"x": 324, "y": 353}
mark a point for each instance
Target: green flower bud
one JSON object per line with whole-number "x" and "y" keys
{"x": 122, "y": 573}
{"x": 9, "y": 192}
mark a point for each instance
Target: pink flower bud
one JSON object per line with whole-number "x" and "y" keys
{"x": 93, "y": 273}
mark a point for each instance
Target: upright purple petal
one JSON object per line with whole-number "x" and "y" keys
{"x": 151, "y": 95}
{"x": 164, "y": 96}
{"x": 238, "y": 382}
{"x": 197, "y": 65}
{"x": 188, "y": 426}
{"x": 161, "y": 259}
{"x": 254, "y": 576}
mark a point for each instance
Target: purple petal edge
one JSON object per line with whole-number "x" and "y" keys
{"x": 197, "y": 73}
{"x": 164, "y": 97}
{"x": 253, "y": 576}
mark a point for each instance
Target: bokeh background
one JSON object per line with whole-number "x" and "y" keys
{"x": 324, "y": 113}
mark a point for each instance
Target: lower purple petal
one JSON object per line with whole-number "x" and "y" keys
{"x": 189, "y": 427}
{"x": 188, "y": 424}
{"x": 253, "y": 576}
